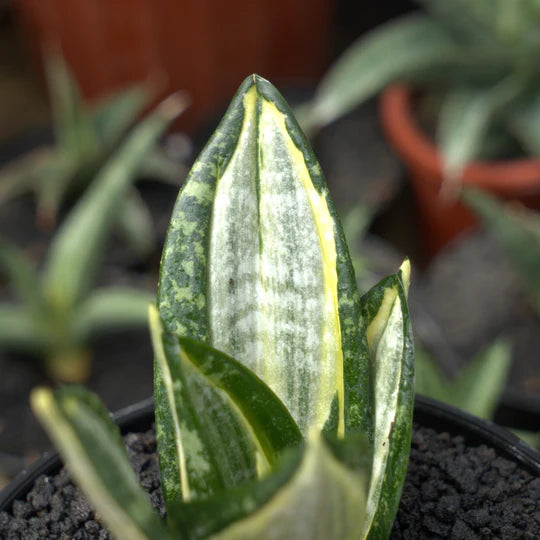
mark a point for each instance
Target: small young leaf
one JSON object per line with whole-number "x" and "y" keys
{"x": 204, "y": 443}
{"x": 95, "y": 454}
{"x": 390, "y": 340}
{"x": 255, "y": 264}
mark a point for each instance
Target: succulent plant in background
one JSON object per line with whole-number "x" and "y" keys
{"x": 58, "y": 312}
{"x": 517, "y": 230}
{"x": 480, "y": 58}
{"x": 477, "y": 388}
{"x": 283, "y": 399}
{"x": 85, "y": 137}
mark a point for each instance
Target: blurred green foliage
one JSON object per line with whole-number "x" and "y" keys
{"x": 85, "y": 137}
{"x": 57, "y": 311}
{"x": 480, "y": 58}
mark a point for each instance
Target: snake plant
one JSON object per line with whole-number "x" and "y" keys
{"x": 283, "y": 398}
{"x": 58, "y": 311}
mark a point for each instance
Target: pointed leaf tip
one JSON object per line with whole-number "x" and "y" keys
{"x": 255, "y": 262}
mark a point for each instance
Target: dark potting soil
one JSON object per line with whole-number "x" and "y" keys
{"x": 451, "y": 491}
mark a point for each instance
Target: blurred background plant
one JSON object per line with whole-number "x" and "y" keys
{"x": 58, "y": 311}
{"x": 517, "y": 230}
{"x": 476, "y": 63}
{"x": 85, "y": 137}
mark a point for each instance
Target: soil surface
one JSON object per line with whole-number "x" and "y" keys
{"x": 451, "y": 491}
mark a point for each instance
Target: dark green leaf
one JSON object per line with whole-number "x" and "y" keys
{"x": 267, "y": 418}
{"x": 204, "y": 443}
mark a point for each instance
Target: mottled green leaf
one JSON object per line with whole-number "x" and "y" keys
{"x": 390, "y": 341}
{"x": 204, "y": 443}
{"x": 96, "y": 457}
{"x": 324, "y": 499}
{"x": 255, "y": 264}
{"x": 268, "y": 419}
{"x": 204, "y": 518}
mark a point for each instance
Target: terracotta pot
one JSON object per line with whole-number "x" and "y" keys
{"x": 205, "y": 48}
{"x": 444, "y": 219}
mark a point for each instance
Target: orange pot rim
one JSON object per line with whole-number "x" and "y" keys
{"x": 506, "y": 177}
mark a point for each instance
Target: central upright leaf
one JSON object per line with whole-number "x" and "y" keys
{"x": 256, "y": 266}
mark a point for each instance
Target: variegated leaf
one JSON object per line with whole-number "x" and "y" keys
{"x": 390, "y": 340}
{"x": 270, "y": 423}
{"x": 324, "y": 499}
{"x": 204, "y": 444}
{"x": 94, "y": 453}
{"x": 255, "y": 265}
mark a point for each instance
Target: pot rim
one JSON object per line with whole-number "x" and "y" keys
{"x": 506, "y": 177}
{"x": 447, "y": 418}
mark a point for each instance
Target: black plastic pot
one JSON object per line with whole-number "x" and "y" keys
{"x": 134, "y": 418}
{"x": 442, "y": 417}
{"x": 427, "y": 413}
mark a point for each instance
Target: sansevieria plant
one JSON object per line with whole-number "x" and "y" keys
{"x": 283, "y": 399}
